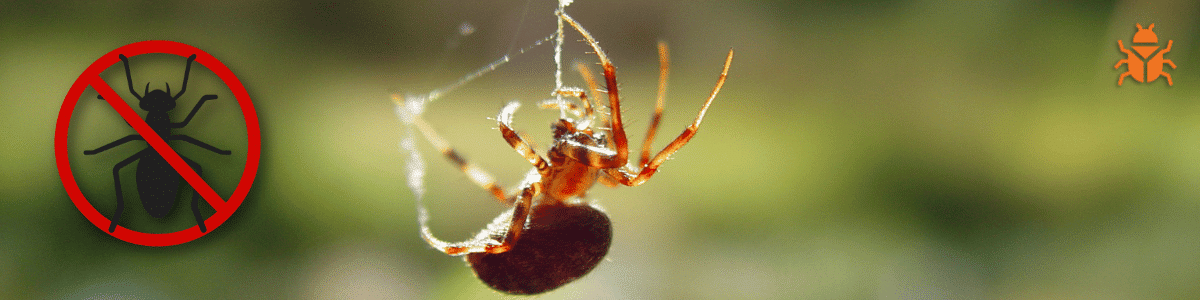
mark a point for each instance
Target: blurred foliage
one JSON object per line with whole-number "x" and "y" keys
{"x": 860, "y": 149}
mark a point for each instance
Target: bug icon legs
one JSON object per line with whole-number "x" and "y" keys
{"x": 196, "y": 195}
{"x": 194, "y": 141}
{"x": 116, "y": 218}
{"x": 187, "y": 70}
{"x": 118, "y": 142}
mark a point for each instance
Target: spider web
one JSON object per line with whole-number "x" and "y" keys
{"x": 410, "y": 107}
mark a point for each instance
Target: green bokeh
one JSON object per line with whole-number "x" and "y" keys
{"x": 862, "y": 149}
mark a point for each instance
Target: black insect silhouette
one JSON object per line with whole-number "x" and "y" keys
{"x": 553, "y": 236}
{"x": 157, "y": 183}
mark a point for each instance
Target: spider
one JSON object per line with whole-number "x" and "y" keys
{"x": 551, "y": 236}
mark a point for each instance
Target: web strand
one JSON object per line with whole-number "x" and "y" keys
{"x": 408, "y": 109}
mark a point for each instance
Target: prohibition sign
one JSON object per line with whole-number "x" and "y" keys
{"x": 224, "y": 207}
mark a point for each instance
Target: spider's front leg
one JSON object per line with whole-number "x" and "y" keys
{"x": 650, "y": 168}
{"x": 618, "y": 131}
{"x": 664, "y": 67}
{"x": 480, "y": 177}
{"x": 586, "y": 112}
{"x": 620, "y": 141}
{"x": 504, "y": 121}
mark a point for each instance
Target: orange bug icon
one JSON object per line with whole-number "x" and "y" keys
{"x": 1145, "y": 43}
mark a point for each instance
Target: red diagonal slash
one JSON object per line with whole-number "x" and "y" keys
{"x": 224, "y": 207}
{"x": 157, "y": 143}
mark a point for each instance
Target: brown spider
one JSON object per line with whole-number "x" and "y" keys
{"x": 547, "y": 241}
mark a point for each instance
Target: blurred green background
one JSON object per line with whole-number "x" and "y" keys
{"x": 860, "y": 149}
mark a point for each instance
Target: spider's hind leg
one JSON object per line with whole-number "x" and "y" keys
{"x": 499, "y": 236}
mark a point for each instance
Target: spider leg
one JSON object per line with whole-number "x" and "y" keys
{"x": 664, "y": 67}
{"x": 562, "y": 105}
{"x": 520, "y": 215}
{"x": 504, "y": 119}
{"x": 529, "y": 140}
{"x": 610, "y": 83}
{"x": 587, "y": 112}
{"x": 593, "y": 87}
{"x": 688, "y": 132}
{"x": 477, "y": 175}
{"x": 499, "y": 236}
{"x": 607, "y": 180}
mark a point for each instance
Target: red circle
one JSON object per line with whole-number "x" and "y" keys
{"x": 252, "y": 135}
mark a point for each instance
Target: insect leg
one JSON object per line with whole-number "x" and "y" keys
{"x": 206, "y": 146}
{"x": 477, "y": 175}
{"x": 1122, "y": 79}
{"x": 688, "y": 132}
{"x": 195, "y": 109}
{"x": 129, "y": 77}
{"x": 196, "y": 194}
{"x": 118, "y": 142}
{"x": 1167, "y": 61}
{"x": 187, "y": 70}
{"x": 117, "y": 185}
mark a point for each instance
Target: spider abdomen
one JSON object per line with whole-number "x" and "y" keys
{"x": 561, "y": 243}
